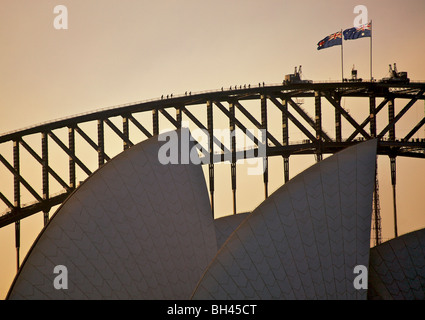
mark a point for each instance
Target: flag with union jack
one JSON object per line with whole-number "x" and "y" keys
{"x": 335, "y": 39}
{"x": 363, "y": 31}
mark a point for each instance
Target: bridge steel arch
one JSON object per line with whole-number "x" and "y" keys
{"x": 283, "y": 97}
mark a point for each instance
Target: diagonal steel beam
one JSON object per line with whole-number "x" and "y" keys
{"x": 237, "y": 122}
{"x": 346, "y": 115}
{"x": 173, "y": 121}
{"x": 139, "y": 126}
{"x": 306, "y": 117}
{"x": 177, "y": 124}
{"x": 90, "y": 141}
{"x": 39, "y": 160}
{"x": 414, "y": 130}
{"x": 401, "y": 113}
{"x": 256, "y": 123}
{"x": 367, "y": 120}
{"x": 69, "y": 153}
{"x": 21, "y": 179}
{"x": 6, "y": 201}
{"x": 292, "y": 118}
{"x": 118, "y": 132}
{"x": 193, "y": 118}
{"x": 200, "y": 125}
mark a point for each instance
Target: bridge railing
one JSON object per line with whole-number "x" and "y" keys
{"x": 180, "y": 95}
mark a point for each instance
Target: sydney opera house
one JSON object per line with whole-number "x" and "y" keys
{"x": 137, "y": 229}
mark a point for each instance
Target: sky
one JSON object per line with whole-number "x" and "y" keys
{"x": 116, "y": 52}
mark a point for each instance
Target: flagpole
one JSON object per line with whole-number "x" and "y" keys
{"x": 371, "y": 55}
{"x": 342, "y": 58}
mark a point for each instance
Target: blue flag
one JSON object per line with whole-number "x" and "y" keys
{"x": 360, "y": 32}
{"x": 334, "y": 39}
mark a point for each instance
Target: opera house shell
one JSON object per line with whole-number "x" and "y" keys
{"x": 137, "y": 229}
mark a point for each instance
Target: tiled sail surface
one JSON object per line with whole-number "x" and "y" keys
{"x": 224, "y": 226}
{"x": 135, "y": 229}
{"x": 397, "y": 268}
{"x": 304, "y": 241}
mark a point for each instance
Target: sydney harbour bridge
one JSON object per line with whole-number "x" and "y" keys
{"x": 144, "y": 119}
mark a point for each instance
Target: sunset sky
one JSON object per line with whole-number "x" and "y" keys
{"x": 116, "y": 52}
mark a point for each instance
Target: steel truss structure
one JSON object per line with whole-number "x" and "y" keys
{"x": 225, "y": 101}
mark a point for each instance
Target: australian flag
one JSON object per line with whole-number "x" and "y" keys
{"x": 334, "y": 39}
{"x": 363, "y": 31}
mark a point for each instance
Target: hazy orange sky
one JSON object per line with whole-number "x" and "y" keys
{"x": 117, "y": 52}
